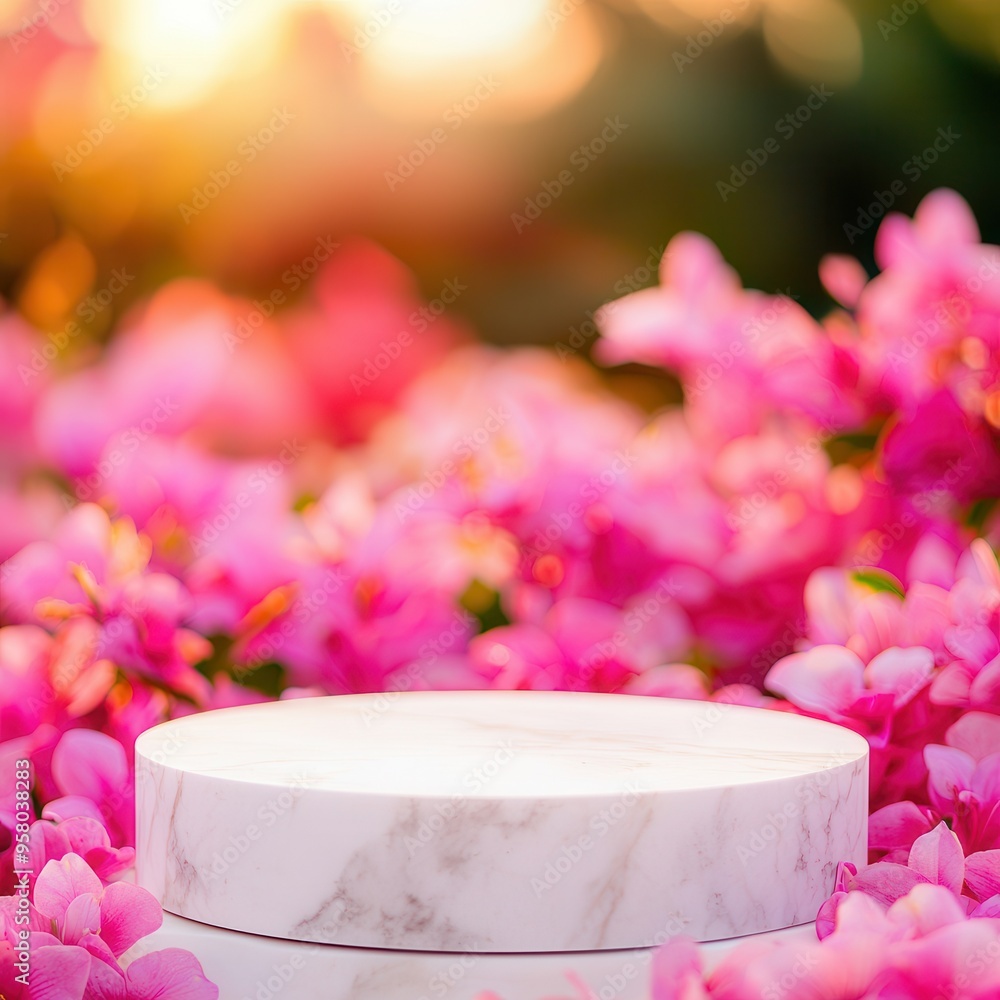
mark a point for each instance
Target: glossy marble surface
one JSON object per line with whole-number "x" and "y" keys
{"x": 497, "y": 821}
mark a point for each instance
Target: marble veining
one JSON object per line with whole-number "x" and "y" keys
{"x": 497, "y": 821}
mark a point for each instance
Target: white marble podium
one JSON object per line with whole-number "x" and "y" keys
{"x": 247, "y": 967}
{"x": 491, "y": 823}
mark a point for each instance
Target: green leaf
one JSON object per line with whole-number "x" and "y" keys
{"x": 879, "y": 580}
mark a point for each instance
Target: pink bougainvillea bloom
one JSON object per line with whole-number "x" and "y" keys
{"x": 919, "y": 948}
{"x": 967, "y": 791}
{"x": 80, "y": 928}
{"x": 169, "y": 973}
{"x": 102, "y": 919}
{"x": 740, "y": 354}
{"x": 930, "y": 345}
{"x": 181, "y": 360}
{"x": 971, "y": 678}
{"x": 582, "y": 645}
{"x": 364, "y": 311}
{"x": 93, "y": 766}
{"x": 936, "y": 858}
{"x": 843, "y": 277}
{"x": 94, "y": 572}
{"x": 85, "y": 836}
{"x": 832, "y": 682}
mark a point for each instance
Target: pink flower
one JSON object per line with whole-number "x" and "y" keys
{"x": 740, "y": 354}
{"x": 106, "y": 921}
{"x": 182, "y": 361}
{"x": 83, "y": 835}
{"x": 94, "y": 572}
{"x": 967, "y": 791}
{"x": 92, "y": 769}
{"x": 929, "y": 346}
{"x": 364, "y": 313}
{"x": 920, "y": 948}
{"x": 936, "y": 858}
{"x": 80, "y": 928}
{"x": 169, "y": 972}
{"x": 583, "y": 645}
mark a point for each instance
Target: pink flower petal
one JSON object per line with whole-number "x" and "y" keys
{"x": 902, "y": 672}
{"x": 70, "y": 806}
{"x": 950, "y": 771}
{"x": 944, "y": 219}
{"x": 982, "y": 873}
{"x": 843, "y": 277}
{"x": 677, "y": 973}
{"x": 60, "y": 882}
{"x": 826, "y": 679}
{"x": 88, "y": 763}
{"x": 885, "y": 882}
{"x": 169, "y": 974}
{"x": 58, "y": 972}
{"x": 128, "y": 913}
{"x": 105, "y": 983}
{"x": 938, "y": 856}
{"x": 898, "y": 825}
{"x": 977, "y": 733}
{"x": 82, "y": 917}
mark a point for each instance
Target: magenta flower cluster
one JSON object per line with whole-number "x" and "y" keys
{"x": 348, "y": 495}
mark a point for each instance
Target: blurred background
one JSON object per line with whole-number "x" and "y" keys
{"x": 528, "y": 160}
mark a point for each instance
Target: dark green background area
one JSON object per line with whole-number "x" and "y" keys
{"x": 688, "y": 129}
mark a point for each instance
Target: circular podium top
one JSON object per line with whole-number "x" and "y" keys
{"x": 497, "y": 821}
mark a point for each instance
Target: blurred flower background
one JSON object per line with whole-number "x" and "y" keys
{"x": 115, "y": 113}
{"x": 358, "y": 346}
